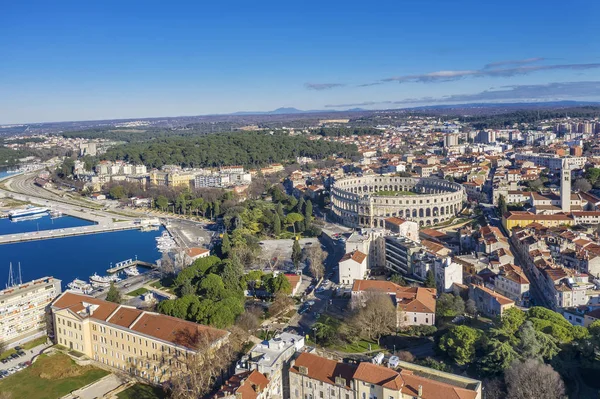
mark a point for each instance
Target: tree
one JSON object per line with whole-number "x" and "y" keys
{"x": 502, "y": 204}
{"x": 292, "y": 218}
{"x": 276, "y": 225}
{"x": 281, "y": 303}
{"x": 471, "y": 308}
{"x": 308, "y": 212}
{"x": 233, "y": 273}
{"x": 187, "y": 288}
{"x": 113, "y": 294}
{"x": 212, "y": 287}
{"x": 449, "y": 305}
{"x": 377, "y": 317}
{"x": 315, "y": 256}
{"x": 296, "y": 252}
{"x": 459, "y": 343}
{"x": 512, "y": 320}
{"x": 162, "y": 202}
{"x": 582, "y": 185}
{"x": 279, "y": 284}
{"x": 498, "y": 357}
{"x": 429, "y": 279}
{"x": 3, "y": 346}
{"x": 398, "y": 279}
{"x": 117, "y": 192}
{"x": 531, "y": 379}
{"x": 225, "y": 245}
{"x": 593, "y": 175}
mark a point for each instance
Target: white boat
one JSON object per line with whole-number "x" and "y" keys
{"x": 29, "y": 211}
{"x": 132, "y": 271}
{"x": 103, "y": 281}
{"x": 80, "y": 286}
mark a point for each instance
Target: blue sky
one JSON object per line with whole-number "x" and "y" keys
{"x": 82, "y": 60}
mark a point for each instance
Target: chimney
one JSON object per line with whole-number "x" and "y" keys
{"x": 420, "y": 394}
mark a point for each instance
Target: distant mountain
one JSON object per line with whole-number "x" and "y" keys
{"x": 279, "y": 111}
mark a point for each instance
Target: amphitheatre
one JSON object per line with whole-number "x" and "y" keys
{"x": 368, "y": 200}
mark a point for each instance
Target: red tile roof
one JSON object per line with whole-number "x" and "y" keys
{"x": 356, "y": 256}
{"x": 409, "y": 299}
{"x": 322, "y": 369}
{"x": 379, "y": 375}
{"x": 166, "y": 328}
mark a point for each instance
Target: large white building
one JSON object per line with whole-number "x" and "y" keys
{"x": 353, "y": 266}
{"x": 23, "y": 308}
{"x": 552, "y": 161}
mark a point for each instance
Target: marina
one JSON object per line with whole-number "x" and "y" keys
{"x": 78, "y": 257}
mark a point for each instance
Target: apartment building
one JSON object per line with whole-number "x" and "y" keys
{"x": 23, "y": 308}
{"x": 398, "y": 254}
{"x": 247, "y": 385}
{"x": 148, "y": 345}
{"x": 551, "y": 161}
{"x": 489, "y": 302}
{"x": 352, "y": 266}
{"x": 315, "y": 377}
{"x": 271, "y": 358}
{"x": 415, "y": 306}
{"x": 512, "y": 283}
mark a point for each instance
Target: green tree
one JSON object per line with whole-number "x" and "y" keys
{"x": 233, "y": 273}
{"x": 593, "y": 175}
{"x": 512, "y": 320}
{"x": 279, "y": 284}
{"x": 296, "y": 253}
{"x": 460, "y": 344}
{"x": 113, "y": 294}
{"x": 276, "y": 225}
{"x": 280, "y": 211}
{"x": 502, "y": 204}
{"x": 308, "y": 213}
{"x": 212, "y": 287}
{"x": 225, "y": 245}
{"x": 292, "y": 218}
{"x": 117, "y": 192}
{"x": 449, "y": 305}
{"x": 398, "y": 279}
{"x": 429, "y": 279}
{"x": 498, "y": 357}
{"x": 187, "y": 288}
{"x": 162, "y": 202}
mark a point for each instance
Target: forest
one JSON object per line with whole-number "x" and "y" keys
{"x": 250, "y": 149}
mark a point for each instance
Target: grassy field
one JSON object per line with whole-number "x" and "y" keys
{"x": 50, "y": 377}
{"x": 358, "y": 347}
{"x": 138, "y": 292}
{"x": 142, "y": 391}
{"x": 27, "y": 346}
{"x": 388, "y": 193}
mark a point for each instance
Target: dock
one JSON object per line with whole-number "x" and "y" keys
{"x": 68, "y": 232}
{"x": 128, "y": 263}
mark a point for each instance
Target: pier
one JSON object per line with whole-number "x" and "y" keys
{"x": 128, "y": 263}
{"x": 68, "y": 232}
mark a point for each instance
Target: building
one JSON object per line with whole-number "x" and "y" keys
{"x": 489, "y": 302}
{"x": 315, "y": 377}
{"x": 144, "y": 344}
{"x": 565, "y": 187}
{"x": 272, "y": 359}
{"x": 399, "y": 253}
{"x": 415, "y": 306}
{"x": 352, "y": 266}
{"x": 451, "y": 140}
{"x": 23, "y": 308}
{"x": 368, "y": 200}
{"x": 447, "y": 273}
{"x": 513, "y": 219}
{"x": 512, "y": 283}
{"x": 552, "y": 161}
{"x": 246, "y": 385}
{"x": 402, "y": 227}
{"x": 194, "y": 253}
